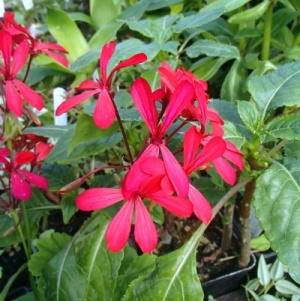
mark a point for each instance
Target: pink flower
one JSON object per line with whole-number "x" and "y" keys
{"x": 21, "y": 180}
{"x": 144, "y": 100}
{"x": 104, "y": 113}
{"x": 145, "y": 180}
{"x": 16, "y": 91}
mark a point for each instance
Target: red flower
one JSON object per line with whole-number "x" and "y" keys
{"x": 21, "y": 180}
{"x": 104, "y": 113}
{"x": 146, "y": 180}
{"x": 144, "y": 100}
{"x": 14, "y": 60}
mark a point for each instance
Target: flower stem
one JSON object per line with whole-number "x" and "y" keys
{"x": 122, "y": 131}
{"x": 28, "y": 68}
{"x": 265, "y": 52}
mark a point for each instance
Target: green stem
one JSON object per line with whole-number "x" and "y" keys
{"x": 27, "y": 227}
{"x": 265, "y": 52}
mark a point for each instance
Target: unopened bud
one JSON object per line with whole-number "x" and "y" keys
{"x": 71, "y": 186}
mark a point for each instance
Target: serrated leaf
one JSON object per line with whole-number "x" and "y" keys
{"x": 285, "y": 127}
{"x": 277, "y": 203}
{"x": 286, "y": 287}
{"x": 57, "y": 175}
{"x": 197, "y": 20}
{"x": 276, "y": 89}
{"x": 174, "y": 277}
{"x": 263, "y": 273}
{"x": 228, "y": 5}
{"x": 66, "y": 32}
{"x": 233, "y": 135}
{"x": 212, "y": 48}
{"x": 49, "y": 245}
{"x": 249, "y": 114}
{"x": 277, "y": 270}
{"x": 99, "y": 265}
{"x": 251, "y": 14}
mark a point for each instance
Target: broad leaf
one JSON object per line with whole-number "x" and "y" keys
{"x": 50, "y": 131}
{"x": 102, "y": 12}
{"x": 212, "y": 48}
{"x": 68, "y": 206}
{"x": 249, "y": 114}
{"x": 85, "y": 60}
{"x": 276, "y": 89}
{"x": 285, "y": 127}
{"x": 66, "y": 32}
{"x": 197, "y": 20}
{"x": 228, "y": 5}
{"x": 277, "y": 204}
{"x": 233, "y": 135}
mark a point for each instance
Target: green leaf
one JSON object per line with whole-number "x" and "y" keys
{"x": 286, "y": 287}
{"x": 99, "y": 265}
{"x": 249, "y": 115}
{"x": 158, "y": 4}
{"x": 85, "y": 60}
{"x": 285, "y": 127}
{"x": 57, "y": 175}
{"x": 50, "y": 131}
{"x": 174, "y": 277}
{"x": 263, "y": 273}
{"x": 233, "y": 135}
{"x": 140, "y": 266}
{"x": 251, "y": 14}
{"x": 68, "y": 206}
{"x": 102, "y": 12}
{"x": 276, "y": 89}
{"x": 212, "y": 48}
{"x": 227, "y": 5}
{"x": 293, "y": 53}
{"x": 157, "y": 214}
{"x": 27, "y": 297}
{"x": 277, "y": 270}
{"x": 78, "y": 16}
{"x": 197, "y": 20}
{"x": 277, "y": 203}
{"x": 234, "y": 85}
{"x": 66, "y": 32}
{"x": 260, "y": 243}
{"x": 49, "y": 244}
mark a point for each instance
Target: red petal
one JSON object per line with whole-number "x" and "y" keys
{"x": 89, "y": 84}
{"x": 144, "y": 231}
{"x": 98, "y": 198}
{"x": 13, "y": 99}
{"x": 106, "y": 54}
{"x": 182, "y": 95}
{"x": 134, "y": 60}
{"x": 19, "y": 58}
{"x": 49, "y": 46}
{"x": 202, "y": 208}
{"x": 23, "y": 158}
{"x": 175, "y": 172}
{"x": 179, "y": 206}
{"x": 6, "y": 49}
{"x": 57, "y": 57}
{"x": 142, "y": 97}
{"x": 42, "y": 150}
{"x": 73, "y": 101}
{"x": 4, "y": 152}
{"x": 29, "y": 95}
{"x": 168, "y": 77}
{"x": 119, "y": 228}
{"x": 104, "y": 113}
{"x": 37, "y": 180}
{"x": 153, "y": 166}
{"x": 20, "y": 188}
{"x": 226, "y": 171}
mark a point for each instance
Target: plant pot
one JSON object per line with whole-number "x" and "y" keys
{"x": 227, "y": 283}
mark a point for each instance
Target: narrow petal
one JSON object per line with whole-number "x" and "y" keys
{"x": 57, "y": 57}
{"x": 168, "y": 77}
{"x": 20, "y": 188}
{"x": 37, "y": 180}
{"x": 182, "y": 95}
{"x": 175, "y": 172}
{"x": 29, "y": 95}
{"x": 214, "y": 149}
{"x": 145, "y": 232}
{"x": 202, "y": 208}
{"x": 106, "y": 54}
{"x": 98, "y": 198}
{"x": 179, "y": 206}
{"x": 225, "y": 170}
{"x": 6, "y": 49}
{"x": 134, "y": 60}
{"x": 191, "y": 144}
{"x": 118, "y": 230}
{"x": 13, "y": 99}
{"x": 4, "y": 152}
{"x": 89, "y": 84}
{"x": 23, "y": 158}
{"x": 73, "y": 101}
{"x": 142, "y": 97}
{"x": 19, "y": 58}
{"x": 104, "y": 113}
{"x": 153, "y": 166}
{"x": 49, "y": 46}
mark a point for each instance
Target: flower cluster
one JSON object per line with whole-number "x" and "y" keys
{"x": 157, "y": 174}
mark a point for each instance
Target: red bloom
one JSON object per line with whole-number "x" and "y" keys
{"x": 21, "y": 180}
{"x": 145, "y": 102}
{"x": 104, "y": 113}
{"x": 14, "y": 60}
{"x": 146, "y": 179}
